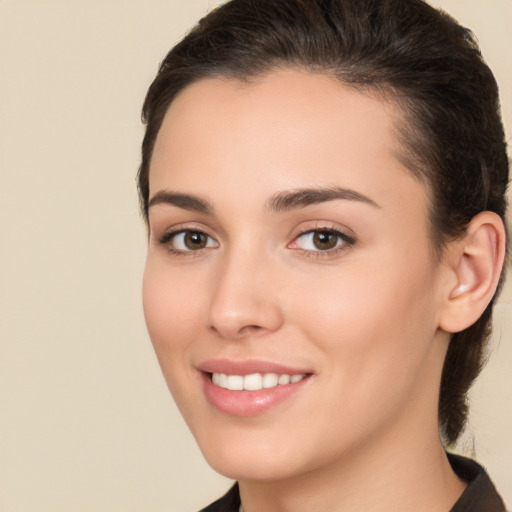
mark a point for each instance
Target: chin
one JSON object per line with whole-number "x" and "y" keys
{"x": 243, "y": 459}
{"x": 240, "y": 469}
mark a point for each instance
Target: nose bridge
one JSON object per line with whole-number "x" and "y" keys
{"x": 243, "y": 299}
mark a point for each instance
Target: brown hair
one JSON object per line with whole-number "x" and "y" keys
{"x": 405, "y": 49}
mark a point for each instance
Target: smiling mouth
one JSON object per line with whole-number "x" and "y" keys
{"x": 254, "y": 381}
{"x": 250, "y": 388}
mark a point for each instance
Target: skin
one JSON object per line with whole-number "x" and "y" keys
{"x": 364, "y": 319}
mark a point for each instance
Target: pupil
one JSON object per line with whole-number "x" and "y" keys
{"x": 325, "y": 240}
{"x": 195, "y": 240}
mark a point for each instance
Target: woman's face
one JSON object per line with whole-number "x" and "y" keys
{"x": 289, "y": 255}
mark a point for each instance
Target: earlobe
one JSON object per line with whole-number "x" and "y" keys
{"x": 476, "y": 262}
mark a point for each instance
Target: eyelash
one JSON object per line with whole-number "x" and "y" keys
{"x": 343, "y": 242}
{"x": 167, "y": 238}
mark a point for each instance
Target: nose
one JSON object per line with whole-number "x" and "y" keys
{"x": 244, "y": 301}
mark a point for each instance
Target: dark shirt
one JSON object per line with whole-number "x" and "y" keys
{"x": 479, "y": 496}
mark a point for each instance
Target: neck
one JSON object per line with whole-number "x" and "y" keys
{"x": 399, "y": 477}
{"x": 402, "y": 466}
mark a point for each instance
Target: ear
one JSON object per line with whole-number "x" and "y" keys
{"x": 475, "y": 263}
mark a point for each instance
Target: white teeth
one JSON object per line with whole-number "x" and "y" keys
{"x": 235, "y": 382}
{"x": 284, "y": 379}
{"x": 223, "y": 380}
{"x": 270, "y": 380}
{"x": 254, "y": 381}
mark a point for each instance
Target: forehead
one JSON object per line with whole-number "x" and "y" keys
{"x": 295, "y": 100}
{"x": 287, "y": 129}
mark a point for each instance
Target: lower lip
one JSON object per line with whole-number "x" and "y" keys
{"x": 248, "y": 403}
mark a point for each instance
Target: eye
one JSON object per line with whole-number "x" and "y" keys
{"x": 188, "y": 240}
{"x": 322, "y": 240}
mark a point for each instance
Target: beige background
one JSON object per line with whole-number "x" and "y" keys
{"x": 86, "y": 423}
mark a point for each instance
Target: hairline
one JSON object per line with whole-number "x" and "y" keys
{"x": 404, "y": 118}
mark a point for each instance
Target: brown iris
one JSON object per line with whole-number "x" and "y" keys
{"x": 195, "y": 240}
{"x": 325, "y": 240}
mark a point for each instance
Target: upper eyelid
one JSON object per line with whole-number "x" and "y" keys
{"x": 325, "y": 228}
{"x": 342, "y": 234}
{"x": 179, "y": 227}
{"x": 162, "y": 223}
{"x": 321, "y": 225}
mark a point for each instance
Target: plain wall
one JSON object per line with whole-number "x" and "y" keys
{"x": 86, "y": 422}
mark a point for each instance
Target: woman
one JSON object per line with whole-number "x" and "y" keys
{"x": 324, "y": 185}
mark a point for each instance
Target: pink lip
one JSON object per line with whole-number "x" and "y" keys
{"x": 248, "y": 403}
{"x": 247, "y": 367}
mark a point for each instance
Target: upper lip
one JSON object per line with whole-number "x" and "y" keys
{"x": 233, "y": 367}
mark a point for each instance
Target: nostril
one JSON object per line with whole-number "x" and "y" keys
{"x": 244, "y": 313}
{"x": 251, "y": 329}
{"x": 246, "y": 330}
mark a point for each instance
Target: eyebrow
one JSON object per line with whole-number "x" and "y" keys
{"x": 294, "y": 199}
{"x": 279, "y": 203}
{"x": 185, "y": 201}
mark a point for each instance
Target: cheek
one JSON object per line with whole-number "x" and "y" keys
{"x": 372, "y": 323}
{"x": 171, "y": 311}
{"x": 373, "y": 339}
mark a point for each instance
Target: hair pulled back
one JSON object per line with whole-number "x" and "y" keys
{"x": 412, "y": 54}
